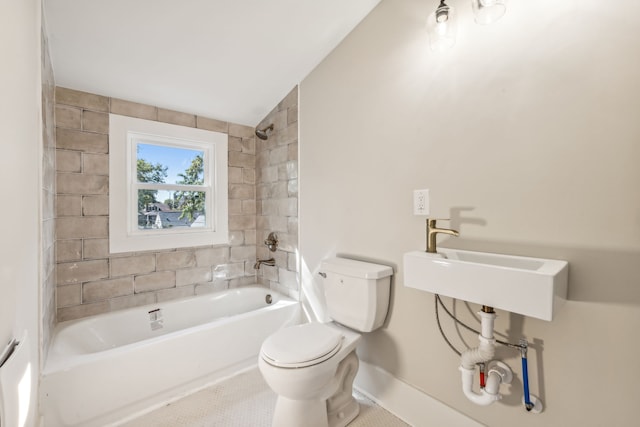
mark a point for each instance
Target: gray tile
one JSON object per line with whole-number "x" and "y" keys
{"x": 212, "y": 124}
{"x": 133, "y": 109}
{"x": 88, "y": 142}
{"x": 68, "y": 117}
{"x": 95, "y": 122}
{"x": 68, "y": 161}
{"x": 107, "y": 289}
{"x": 155, "y": 281}
{"x": 133, "y": 265}
{"x": 176, "y": 118}
{"x": 85, "y": 100}
{"x": 241, "y": 131}
{"x": 174, "y": 260}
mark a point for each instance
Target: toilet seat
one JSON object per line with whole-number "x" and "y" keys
{"x": 301, "y": 346}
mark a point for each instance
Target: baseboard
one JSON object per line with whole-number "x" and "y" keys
{"x": 407, "y": 403}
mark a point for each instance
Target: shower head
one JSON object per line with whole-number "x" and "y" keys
{"x": 262, "y": 133}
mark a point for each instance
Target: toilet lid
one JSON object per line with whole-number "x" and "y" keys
{"x": 301, "y": 345}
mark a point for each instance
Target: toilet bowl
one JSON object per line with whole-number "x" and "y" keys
{"x": 312, "y": 367}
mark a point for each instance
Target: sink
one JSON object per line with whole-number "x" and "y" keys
{"x": 533, "y": 287}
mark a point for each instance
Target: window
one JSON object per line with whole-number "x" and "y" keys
{"x": 172, "y": 186}
{"x": 168, "y": 186}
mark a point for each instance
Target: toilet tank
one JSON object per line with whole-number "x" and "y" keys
{"x": 356, "y": 292}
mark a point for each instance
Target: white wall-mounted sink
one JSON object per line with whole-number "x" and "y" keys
{"x": 529, "y": 286}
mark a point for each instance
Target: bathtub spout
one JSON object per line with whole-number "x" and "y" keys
{"x": 259, "y": 262}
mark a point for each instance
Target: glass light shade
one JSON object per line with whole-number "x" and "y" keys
{"x": 442, "y": 27}
{"x": 488, "y": 11}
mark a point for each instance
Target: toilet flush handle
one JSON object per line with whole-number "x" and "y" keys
{"x": 323, "y": 275}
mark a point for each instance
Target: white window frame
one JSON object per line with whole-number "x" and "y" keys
{"x": 124, "y": 135}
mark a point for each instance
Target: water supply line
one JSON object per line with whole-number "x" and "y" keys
{"x": 497, "y": 372}
{"x": 525, "y": 375}
{"x": 531, "y": 403}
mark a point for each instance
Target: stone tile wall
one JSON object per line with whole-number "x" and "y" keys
{"x": 277, "y": 195}
{"x": 90, "y": 280}
{"x": 47, "y": 238}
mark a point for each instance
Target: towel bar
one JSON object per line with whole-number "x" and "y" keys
{"x": 8, "y": 351}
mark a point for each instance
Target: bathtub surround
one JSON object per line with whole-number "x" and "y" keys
{"x": 514, "y": 132}
{"x": 277, "y": 195}
{"x": 89, "y": 279}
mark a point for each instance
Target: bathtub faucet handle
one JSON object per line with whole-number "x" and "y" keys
{"x": 272, "y": 242}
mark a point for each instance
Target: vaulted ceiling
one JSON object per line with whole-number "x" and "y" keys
{"x": 233, "y": 60}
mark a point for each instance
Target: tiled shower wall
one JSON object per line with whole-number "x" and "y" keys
{"x": 90, "y": 280}
{"x": 48, "y": 237}
{"x": 277, "y": 195}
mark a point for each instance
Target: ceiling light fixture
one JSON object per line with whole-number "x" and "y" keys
{"x": 442, "y": 25}
{"x": 488, "y": 11}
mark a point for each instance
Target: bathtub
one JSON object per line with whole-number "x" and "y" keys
{"x": 106, "y": 368}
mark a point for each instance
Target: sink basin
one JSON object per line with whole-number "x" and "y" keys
{"x": 533, "y": 287}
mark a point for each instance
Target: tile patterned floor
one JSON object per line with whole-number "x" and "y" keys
{"x": 243, "y": 401}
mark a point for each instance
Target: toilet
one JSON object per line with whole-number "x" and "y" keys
{"x": 311, "y": 367}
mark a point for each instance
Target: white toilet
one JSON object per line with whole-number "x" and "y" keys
{"x": 312, "y": 366}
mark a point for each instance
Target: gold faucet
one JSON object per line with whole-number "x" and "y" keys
{"x": 432, "y": 230}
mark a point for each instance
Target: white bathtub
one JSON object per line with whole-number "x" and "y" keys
{"x": 105, "y": 368}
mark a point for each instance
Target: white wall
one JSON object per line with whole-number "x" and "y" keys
{"x": 21, "y": 139}
{"x": 527, "y": 135}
